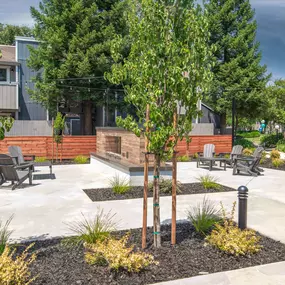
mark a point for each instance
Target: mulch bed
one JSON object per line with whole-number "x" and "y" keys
{"x": 57, "y": 264}
{"x": 268, "y": 164}
{"x": 107, "y": 194}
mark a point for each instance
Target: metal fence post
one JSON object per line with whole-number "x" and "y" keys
{"x": 242, "y": 207}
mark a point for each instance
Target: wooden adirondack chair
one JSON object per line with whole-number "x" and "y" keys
{"x": 16, "y": 152}
{"x": 14, "y": 173}
{"x": 207, "y": 157}
{"x": 248, "y": 164}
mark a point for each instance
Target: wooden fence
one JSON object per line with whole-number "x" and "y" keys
{"x": 223, "y": 143}
{"x": 42, "y": 146}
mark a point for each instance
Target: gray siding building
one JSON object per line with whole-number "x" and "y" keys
{"x": 28, "y": 109}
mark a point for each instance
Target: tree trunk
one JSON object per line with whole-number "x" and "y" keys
{"x": 223, "y": 124}
{"x": 156, "y": 207}
{"x": 87, "y": 112}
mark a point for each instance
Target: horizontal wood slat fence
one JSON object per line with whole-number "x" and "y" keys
{"x": 223, "y": 143}
{"x": 41, "y": 146}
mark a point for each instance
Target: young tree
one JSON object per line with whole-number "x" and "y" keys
{"x": 6, "y": 123}
{"x": 9, "y": 32}
{"x": 58, "y": 129}
{"x": 74, "y": 42}
{"x": 169, "y": 62}
{"x": 237, "y": 73}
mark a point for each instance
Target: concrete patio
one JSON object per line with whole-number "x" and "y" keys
{"x": 42, "y": 211}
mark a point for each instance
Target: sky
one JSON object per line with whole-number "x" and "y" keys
{"x": 270, "y": 15}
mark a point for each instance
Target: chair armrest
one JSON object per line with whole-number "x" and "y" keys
{"x": 24, "y": 166}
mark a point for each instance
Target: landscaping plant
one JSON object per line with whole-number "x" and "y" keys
{"x": 204, "y": 216}
{"x": 263, "y": 157}
{"x": 15, "y": 270}
{"x": 92, "y": 230}
{"x": 209, "y": 182}
{"x": 165, "y": 186}
{"x": 119, "y": 185}
{"x": 81, "y": 159}
{"x": 249, "y": 134}
{"x": 277, "y": 162}
{"x": 227, "y": 237}
{"x": 117, "y": 255}
{"x": 244, "y": 143}
{"x": 58, "y": 129}
{"x": 271, "y": 140}
{"x": 248, "y": 151}
{"x": 281, "y": 145}
{"x": 195, "y": 155}
{"x": 40, "y": 159}
{"x": 6, "y": 123}
{"x": 184, "y": 158}
{"x": 275, "y": 154}
{"x": 5, "y": 233}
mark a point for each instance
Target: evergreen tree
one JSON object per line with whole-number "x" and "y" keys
{"x": 9, "y": 32}
{"x": 237, "y": 73}
{"x": 74, "y": 42}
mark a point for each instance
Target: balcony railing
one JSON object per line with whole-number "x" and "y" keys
{"x": 8, "y": 96}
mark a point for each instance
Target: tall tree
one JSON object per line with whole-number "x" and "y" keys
{"x": 74, "y": 42}
{"x": 169, "y": 62}
{"x": 9, "y": 32}
{"x": 238, "y": 72}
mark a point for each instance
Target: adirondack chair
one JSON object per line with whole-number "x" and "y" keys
{"x": 16, "y": 153}
{"x": 248, "y": 164}
{"x": 236, "y": 152}
{"x": 14, "y": 173}
{"x": 207, "y": 157}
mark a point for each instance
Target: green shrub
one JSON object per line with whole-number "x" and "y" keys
{"x": 274, "y": 154}
{"x": 81, "y": 159}
{"x": 227, "y": 155}
{"x": 118, "y": 255}
{"x": 5, "y": 233}
{"x": 40, "y": 159}
{"x": 244, "y": 143}
{"x": 209, "y": 182}
{"x": 271, "y": 140}
{"x": 263, "y": 157}
{"x": 195, "y": 155}
{"x": 281, "y": 145}
{"x": 277, "y": 162}
{"x": 165, "y": 186}
{"x": 92, "y": 230}
{"x": 249, "y": 134}
{"x": 184, "y": 158}
{"x": 15, "y": 270}
{"x": 204, "y": 216}
{"x": 119, "y": 185}
{"x": 230, "y": 239}
{"x": 248, "y": 151}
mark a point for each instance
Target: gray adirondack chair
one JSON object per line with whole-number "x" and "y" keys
{"x": 236, "y": 152}
{"x": 16, "y": 153}
{"x": 249, "y": 165}
{"x": 17, "y": 174}
{"x": 207, "y": 157}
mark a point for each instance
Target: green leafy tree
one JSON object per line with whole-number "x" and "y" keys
{"x": 237, "y": 73}
{"x": 168, "y": 63}
{"x": 9, "y": 32}
{"x": 275, "y": 99}
{"x": 6, "y": 123}
{"x": 74, "y": 42}
{"x": 58, "y": 130}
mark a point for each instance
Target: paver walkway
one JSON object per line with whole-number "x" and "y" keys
{"x": 44, "y": 209}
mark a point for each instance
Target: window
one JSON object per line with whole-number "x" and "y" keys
{"x": 3, "y": 75}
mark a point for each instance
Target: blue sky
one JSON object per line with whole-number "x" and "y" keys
{"x": 270, "y": 15}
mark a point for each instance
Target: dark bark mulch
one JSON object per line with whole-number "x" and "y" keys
{"x": 107, "y": 194}
{"x": 57, "y": 264}
{"x": 268, "y": 164}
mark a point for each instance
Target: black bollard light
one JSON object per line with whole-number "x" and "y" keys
{"x": 242, "y": 207}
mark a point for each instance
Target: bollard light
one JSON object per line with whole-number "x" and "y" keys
{"x": 242, "y": 207}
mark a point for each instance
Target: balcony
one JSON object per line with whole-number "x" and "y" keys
{"x": 8, "y": 97}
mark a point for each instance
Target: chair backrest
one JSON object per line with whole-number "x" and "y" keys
{"x": 258, "y": 152}
{"x": 237, "y": 150}
{"x": 209, "y": 150}
{"x": 7, "y": 168}
{"x": 16, "y": 151}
